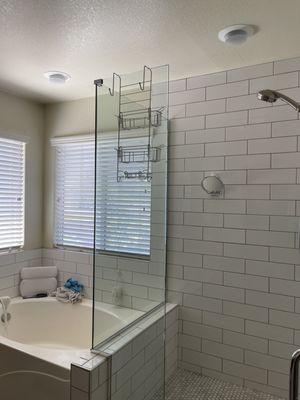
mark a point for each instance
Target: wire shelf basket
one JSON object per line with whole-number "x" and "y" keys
{"x": 140, "y": 119}
{"x": 138, "y": 154}
{"x": 142, "y": 175}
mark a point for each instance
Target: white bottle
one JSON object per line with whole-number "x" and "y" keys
{"x": 117, "y": 292}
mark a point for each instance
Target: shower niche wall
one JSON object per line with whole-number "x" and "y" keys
{"x": 130, "y": 196}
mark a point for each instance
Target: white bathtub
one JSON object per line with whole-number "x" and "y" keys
{"x": 60, "y": 333}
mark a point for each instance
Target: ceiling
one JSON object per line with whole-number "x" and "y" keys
{"x": 90, "y": 39}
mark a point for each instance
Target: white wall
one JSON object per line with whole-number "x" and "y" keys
{"x": 23, "y": 119}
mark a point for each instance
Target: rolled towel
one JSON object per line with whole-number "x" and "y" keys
{"x": 66, "y": 295}
{"x": 38, "y": 272}
{"x": 33, "y": 287}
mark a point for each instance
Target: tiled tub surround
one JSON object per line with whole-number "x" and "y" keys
{"x": 136, "y": 362}
{"x": 75, "y": 264}
{"x": 10, "y": 267}
{"x": 233, "y": 262}
{"x": 142, "y": 281}
{"x": 69, "y": 263}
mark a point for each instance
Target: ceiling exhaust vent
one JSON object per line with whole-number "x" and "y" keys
{"x": 57, "y": 77}
{"x": 236, "y": 34}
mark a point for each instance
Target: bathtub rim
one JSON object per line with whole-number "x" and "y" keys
{"x": 65, "y": 357}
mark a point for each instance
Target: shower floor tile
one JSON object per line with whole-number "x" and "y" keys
{"x": 186, "y": 385}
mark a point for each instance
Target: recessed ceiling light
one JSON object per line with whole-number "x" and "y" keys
{"x": 57, "y": 77}
{"x": 236, "y": 34}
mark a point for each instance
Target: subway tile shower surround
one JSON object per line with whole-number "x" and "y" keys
{"x": 233, "y": 262}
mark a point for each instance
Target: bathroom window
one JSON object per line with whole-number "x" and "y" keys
{"x": 74, "y": 192}
{"x": 12, "y": 192}
{"x": 123, "y": 208}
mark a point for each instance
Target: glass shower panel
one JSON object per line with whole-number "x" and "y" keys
{"x": 157, "y": 262}
{"x": 130, "y": 199}
{"x": 106, "y": 107}
{"x": 130, "y": 231}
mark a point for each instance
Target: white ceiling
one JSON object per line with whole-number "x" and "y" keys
{"x": 90, "y": 39}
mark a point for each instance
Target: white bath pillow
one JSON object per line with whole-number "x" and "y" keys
{"x": 32, "y": 287}
{"x": 38, "y": 272}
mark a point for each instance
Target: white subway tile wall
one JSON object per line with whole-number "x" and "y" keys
{"x": 139, "y": 363}
{"x": 142, "y": 281}
{"x": 10, "y": 267}
{"x": 234, "y": 267}
{"x": 73, "y": 264}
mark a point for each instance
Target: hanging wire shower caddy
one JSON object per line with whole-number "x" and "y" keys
{"x": 140, "y": 119}
{"x": 136, "y": 114}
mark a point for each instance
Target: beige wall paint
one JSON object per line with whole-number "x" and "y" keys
{"x": 61, "y": 119}
{"x": 24, "y": 119}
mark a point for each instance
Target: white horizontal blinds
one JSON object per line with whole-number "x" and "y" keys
{"x": 74, "y": 209}
{"x": 12, "y": 182}
{"x": 123, "y": 208}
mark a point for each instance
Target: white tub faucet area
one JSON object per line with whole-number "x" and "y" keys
{"x": 5, "y": 303}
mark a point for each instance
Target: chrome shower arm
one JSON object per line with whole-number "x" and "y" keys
{"x": 270, "y": 96}
{"x": 289, "y": 101}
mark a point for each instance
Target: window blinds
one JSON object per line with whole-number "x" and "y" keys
{"x": 12, "y": 181}
{"x": 123, "y": 208}
{"x": 74, "y": 187}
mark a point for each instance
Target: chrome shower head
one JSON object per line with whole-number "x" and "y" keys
{"x": 267, "y": 95}
{"x": 270, "y": 96}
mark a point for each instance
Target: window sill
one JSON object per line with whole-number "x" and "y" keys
{"x": 103, "y": 252}
{"x": 71, "y": 248}
{"x": 6, "y": 252}
{"x": 125, "y": 255}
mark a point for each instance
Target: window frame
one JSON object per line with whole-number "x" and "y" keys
{"x": 23, "y": 142}
{"x": 55, "y": 142}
